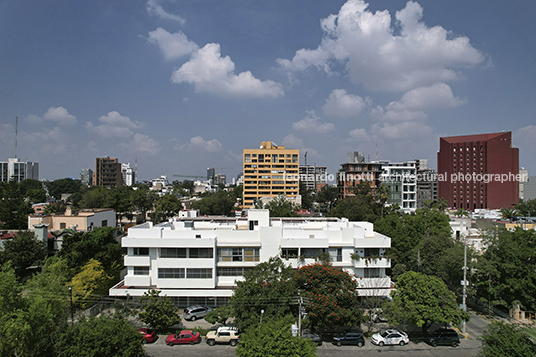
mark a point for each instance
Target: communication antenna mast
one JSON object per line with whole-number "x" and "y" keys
{"x": 306, "y": 157}
{"x": 16, "y": 134}
{"x": 136, "y": 168}
{"x": 376, "y": 151}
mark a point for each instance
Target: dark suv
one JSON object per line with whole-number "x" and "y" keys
{"x": 444, "y": 336}
{"x": 350, "y": 338}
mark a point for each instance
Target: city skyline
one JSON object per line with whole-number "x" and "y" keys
{"x": 183, "y": 85}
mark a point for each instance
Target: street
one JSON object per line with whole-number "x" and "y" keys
{"x": 468, "y": 347}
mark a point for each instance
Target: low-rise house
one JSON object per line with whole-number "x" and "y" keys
{"x": 81, "y": 220}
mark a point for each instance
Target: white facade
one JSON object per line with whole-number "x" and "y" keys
{"x": 401, "y": 180}
{"x": 129, "y": 175}
{"x": 19, "y": 170}
{"x": 198, "y": 260}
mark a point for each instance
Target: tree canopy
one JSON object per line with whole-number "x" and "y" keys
{"x": 331, "y": 295}
{"x": 505, "y": 339}
{"x": 422, "y": 300}
{"x": 280, "y": 207}
{"x": 14, "y": 210}
{"x": 220, "y": 203}
{"x": 273, "y": 338}
{"x": 158, "y": 311}
{"x": 269, "y": 287}
{"x": 505, "y": 271}
{"x": 24, "y": 251}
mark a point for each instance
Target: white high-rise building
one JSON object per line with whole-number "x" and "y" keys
{"x": 400, "y": 178}
{"x": 19, "y": 170}
{"x": 197, "y": 260}
{"x": 129, "y": 175}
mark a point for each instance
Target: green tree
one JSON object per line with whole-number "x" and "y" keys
{"x": 66, "y": 185}
{"x": 119, "y": 198}
{"x": 90, "y": 284}
{"x": 55, "y": 208}
{"x": 158, "y": 311}
{"x": 100, "y": 244}
{"x": 165, "y": 207}
{"x": 422, "y": 300}
{"x": 36, "y": 195}
{"x": 29, "y": 184}
{"x": 331, "y": 295}
{"x": 307, "y": 196}
{"x": 505, "y": 272}
{"x": 220, "y": 315}
{"x": 281, "y": 207}
{"x": 326, "y": 198}
{"x": 505, "y": 339}
{"x": 100, "y": 337}
{"x": 14, "y": 210}
{"x": 273, "y": 338}
{"x": 527, "y": 208}
{"x": 508, "y": 213}
{"x": 219, "y": 203}
{"x": 143, "y": 200}
{"x": 269, "y": 287}
{"x": 24, "y": 251}
{"x": 94, "y": 197}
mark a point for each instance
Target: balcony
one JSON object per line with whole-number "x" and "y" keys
{"x": 139, "y": 261}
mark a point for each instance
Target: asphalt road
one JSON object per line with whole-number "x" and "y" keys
{"x": 468, "y": 347}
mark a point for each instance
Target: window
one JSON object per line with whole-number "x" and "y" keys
{"x": 287, "y": 253}
{"x": 336, "y": 254}
{"x": 62, "y": 225}
{"x": 171, "y": 273}
{"x": 141, "y": 251}
{"x": 104, "y": 223}
{"x": 172, "y": 252}
{"x": 247, "y": 158}
{"x": 238, "y": 254}
{"x": 371, "y": 272}
{"x": 199, "y": 273}
{"x": 141, "y": 270}
{"x": 372, "y": 252}
{"x": 202, "y": 253}
{"x": 232, "y": 271}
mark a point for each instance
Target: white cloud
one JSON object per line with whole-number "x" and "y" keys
{"x": 197, "y": 143}
{"x": 172, "y": 45}
{"x": 154, "y": 8}
{"x": 114, "y": 126}
{"x": 341, "y": 104}
{"x": 57, "y": 141}
{"x": 359, "y": 134}
{"x": 384, "y": 57}
{"x": 58, "y": 115}
{"x": 142, "y": 143}
{"x": 293, "y": 142}
{"x": 209, "y": 72}
{"x": 403, "y": 130}
{"x": 312, "y": 124}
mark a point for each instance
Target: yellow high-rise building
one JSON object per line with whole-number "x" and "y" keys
{"x": 270, "y": 171}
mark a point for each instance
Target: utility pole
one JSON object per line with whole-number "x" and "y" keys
{"x": 464, "y": 276}
{"x": 72, "y": 311}
{"x": 299, "y": 314}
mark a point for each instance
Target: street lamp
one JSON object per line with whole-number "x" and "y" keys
{"x": 464, "y": 274}
{"x": 262, "y": 312}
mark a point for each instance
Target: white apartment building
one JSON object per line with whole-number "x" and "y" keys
{"x": 18, "y": 170}
{"x": 198, "y": 260}
{"x": 401, "y": 180}
{"x": 129, "y": 175}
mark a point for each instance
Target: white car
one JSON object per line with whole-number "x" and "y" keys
{"x": 390, "y": 337}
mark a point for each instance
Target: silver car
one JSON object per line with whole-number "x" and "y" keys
{"x": 194, "y": 312}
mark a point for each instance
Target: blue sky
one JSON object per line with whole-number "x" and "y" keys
{"x": 186, "y": 85}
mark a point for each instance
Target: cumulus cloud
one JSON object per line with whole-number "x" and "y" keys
{"x": 293, "y": 142}
{"x": 114, "y": 125}
{"x": 59, "y": 116}
{"x": 172, "y": 45}
{"x": 197, "y": 143}
{"x": 155, "y": 9}
{"x": 403, "y": 130}
{"x": 385, "y": 57}
{"x": 312, "y": 124}
{"x": 359, "y": 134}
{"x": 57, "y": 141}
{"x": 341, "y": 104}
{"x": 142, "y": 143}
{"x": 209, "y": 72}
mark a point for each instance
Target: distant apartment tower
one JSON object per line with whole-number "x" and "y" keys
{"x": 220, "y": 179}
{"x": 128, "y": 175}
{"x": 270, "y": 171}
{"x": 86, "y": 176}
{"x": 400, "y": 178}
{"x": 426, "y": 183}
{"x": 313, "y": 177}
{"x": 211, "y": 172}
{"x": 478, "y": 171}
{"x": 107, "y": 172}
{"x": 19, "y": 170}
{"x": 356, "y": 170}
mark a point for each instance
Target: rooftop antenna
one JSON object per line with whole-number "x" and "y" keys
{"x": 306, "y": 157}
{"x": 376, "y": 151}
{"x": 16, "y": 134}
{"x": 136, "y": 168}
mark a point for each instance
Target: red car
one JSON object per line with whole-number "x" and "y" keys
{"x": 149, "y": 336}
{"x": 185, "y": 336}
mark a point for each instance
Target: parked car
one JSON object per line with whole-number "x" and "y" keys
{"x": 183, "y": 337}
{"x": 223, "y": 335}
{"x": 194, "y": 312}
{"x": 350, "y": 338}
{"x": 444, "y": 336}
{"x": 313, "y": 337}
{"x": 149, "y": 336}
{"x": 376, "y": 315}
{"x": 390, "y": 337}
